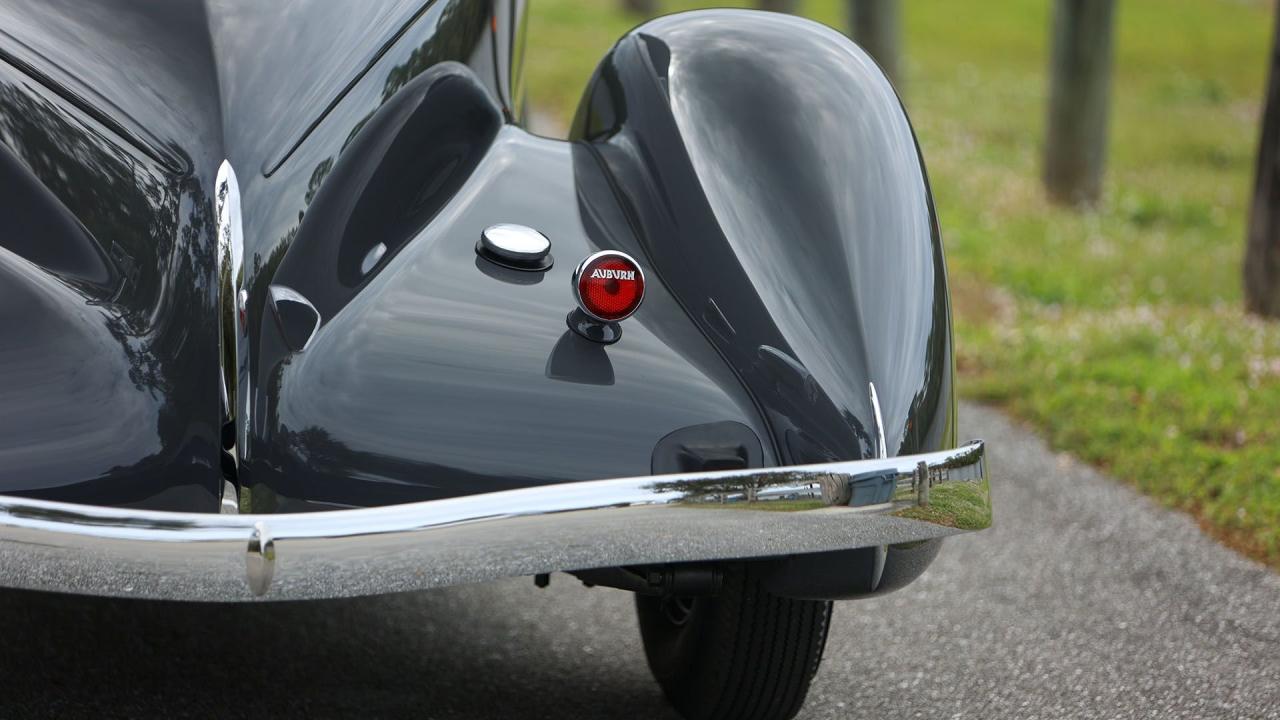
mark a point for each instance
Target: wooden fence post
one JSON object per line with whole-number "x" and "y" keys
{"x": 1262, "y": 251}
{"x": 876, "y": 26}
{"x": 1079, "y": 99}
{"x": 647, "y": 8}
{"x": 787, "y": 6}
{"x": 922, "y": 484}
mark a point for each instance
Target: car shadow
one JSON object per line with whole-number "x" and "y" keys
{"x": 496, "y": 650}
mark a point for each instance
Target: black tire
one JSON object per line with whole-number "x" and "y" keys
{"x": 744, "y": 654}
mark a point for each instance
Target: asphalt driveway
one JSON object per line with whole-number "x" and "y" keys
{"x": 1085, "y": 600}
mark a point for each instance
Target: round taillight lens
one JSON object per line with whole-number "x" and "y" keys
{"x": 609, "y": 285}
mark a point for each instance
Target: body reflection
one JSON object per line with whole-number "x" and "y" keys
{"x": 102, "y": 282}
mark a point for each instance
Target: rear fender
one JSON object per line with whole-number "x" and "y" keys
{"x": 780, "y": 195}
{"x": 782, "y": 198}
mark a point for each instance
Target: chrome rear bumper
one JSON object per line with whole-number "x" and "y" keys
{"x": 572, "y": 526}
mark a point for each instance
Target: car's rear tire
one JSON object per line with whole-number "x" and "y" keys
{"x": 744, "y": 654}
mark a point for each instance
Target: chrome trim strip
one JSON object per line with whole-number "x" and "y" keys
{"x": 230, "y": 499}
{"x": 233, "y": 338}
{"x": 571, "y": 526}
{"x": 281, "y": 294}
{"x": 882, "y": 449}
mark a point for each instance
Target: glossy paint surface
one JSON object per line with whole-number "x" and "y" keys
{"x": 447, "y": 374}
{"x": 781, "y": 197}
{"x": 776, "y": 202}
{"x": 114, "y": 119}
{"x": 107, "y": 374}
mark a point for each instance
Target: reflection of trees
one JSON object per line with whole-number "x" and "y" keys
{"x": 315, "y": 446}
{"x": 131, "y": 209}
{"x": 460, "y": 25}
{"x": 860, "y": 432}
{"x": 456, "y": 27}
{"x": 311, "y": 464}
{"x": 317, "y": 179}
{"x": 157, "y": 230}
{"x": 167, "y": 356}
{"x": 748, "y": 487}
{"x": 76, "y": 166}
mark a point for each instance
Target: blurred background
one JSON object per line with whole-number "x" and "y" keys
{"x": 1093, "y": 163}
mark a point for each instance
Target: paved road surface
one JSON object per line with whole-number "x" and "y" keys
{"x": 1085, "y": 601}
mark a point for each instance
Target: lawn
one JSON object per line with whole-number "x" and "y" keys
{"x": 964, "y": 505}
{"x": 1116, "y": 332}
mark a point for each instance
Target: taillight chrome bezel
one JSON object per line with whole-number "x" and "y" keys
{"x": 604, "y": 255}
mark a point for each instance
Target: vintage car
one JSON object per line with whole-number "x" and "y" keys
{"x": 294, "y": 307}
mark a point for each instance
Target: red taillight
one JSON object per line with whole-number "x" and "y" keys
{"x": 609, "y": 285}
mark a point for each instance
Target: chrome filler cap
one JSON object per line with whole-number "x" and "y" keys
{"x": 515, "y": 246}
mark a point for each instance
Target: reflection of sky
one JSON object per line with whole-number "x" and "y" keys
{"x": 267, "y": 218}
{"x": 258, "y": 67}
{"x": 280, "y": 60}
{"x": 149, "y": 59}
{"x": 229, "y": 227}
{"x": 70, "y": 410}
{"x": 862, "y": 198}
{"x": 434, "y": 358}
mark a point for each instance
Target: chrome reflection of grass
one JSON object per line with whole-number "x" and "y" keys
{"x": 963, "y": 505}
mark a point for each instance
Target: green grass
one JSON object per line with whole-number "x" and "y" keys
{"x": 964, "y": 505}
{"x": 1118, "y": 331}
